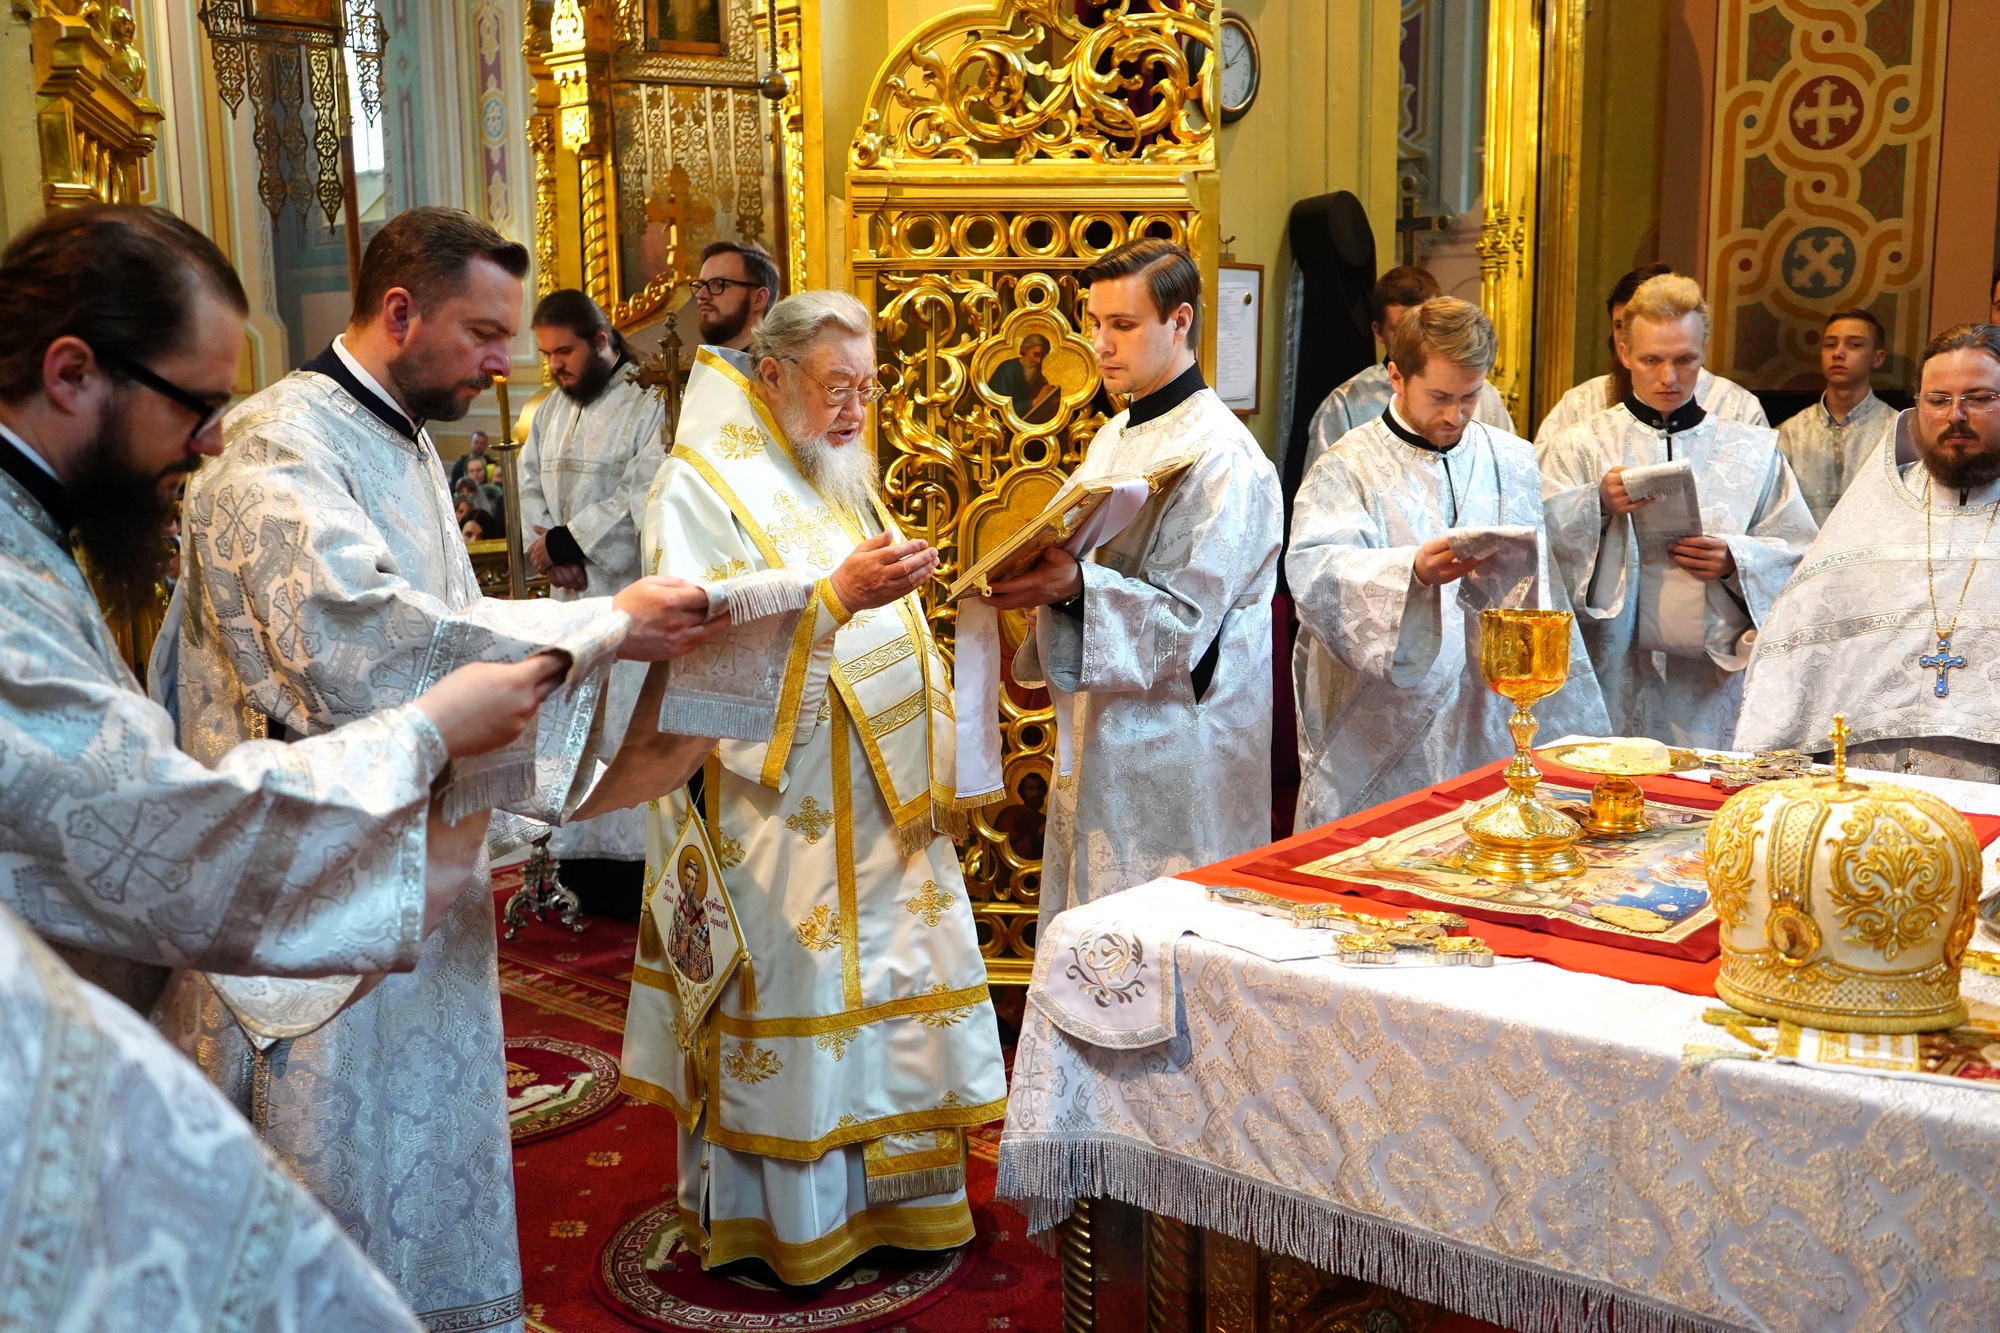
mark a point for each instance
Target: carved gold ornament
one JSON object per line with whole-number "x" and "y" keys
{"x": 1843, "y": 905}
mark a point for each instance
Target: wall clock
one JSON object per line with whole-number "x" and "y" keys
{"x": 1241, "y": 65}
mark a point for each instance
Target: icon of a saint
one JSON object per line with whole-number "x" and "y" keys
{"x": 1036, "y": 399}
{"x": 687, "y": 937}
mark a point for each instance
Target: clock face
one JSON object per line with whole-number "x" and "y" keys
{"x": 1239, "y": 68}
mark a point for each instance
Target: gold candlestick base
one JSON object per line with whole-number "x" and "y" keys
{"x": 1521, "y": 838}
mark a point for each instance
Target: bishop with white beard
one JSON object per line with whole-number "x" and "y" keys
{"x": 1670, "y": 620}
{"x": 1892, "y": 619}
{"x": 823, "y": 1099}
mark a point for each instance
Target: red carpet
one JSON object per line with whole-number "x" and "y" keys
{"x": 576, "y": 1189}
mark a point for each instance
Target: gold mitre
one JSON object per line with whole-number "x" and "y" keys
{"x": 1844, "y": 905}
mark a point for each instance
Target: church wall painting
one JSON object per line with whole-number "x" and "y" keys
{"x": 1824, "y": 188}
{"x": 495, "y": 52}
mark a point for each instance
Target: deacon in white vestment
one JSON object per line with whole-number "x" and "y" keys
{"x": 1892, "y": 618}
{"x": 1720, "y": 398}
{"x": 823, "y": 1100}
{"x": 324, "y": 581}
{"x": 1827, "y": 443}
{"x": 592, "y": 450}
{"x": 1670, "y": 621}
{"x": 1364, "y": 396}
{"x": 1386, "y": 672}
{"x": 1157, "y": 649}
{"x": 132, "y": 1196}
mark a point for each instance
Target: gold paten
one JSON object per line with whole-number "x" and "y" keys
{"x": 1617, "y": 805}
{"x": 1844, "y": 905}
{"x": 1524, "y": 655}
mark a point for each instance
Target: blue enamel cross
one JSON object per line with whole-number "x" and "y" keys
{"x": 1941, "y": 661}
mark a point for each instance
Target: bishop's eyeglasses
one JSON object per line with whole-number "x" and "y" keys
{"x": 1977, "y": 403}
{"x": 840, "y": 395}
{"x": 206, "y": 410}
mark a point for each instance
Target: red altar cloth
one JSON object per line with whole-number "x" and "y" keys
{"x": 1270, "y": 869}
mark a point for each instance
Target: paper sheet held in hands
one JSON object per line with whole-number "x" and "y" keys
{"x": 1675, "y": 508}
{"x": 1509, "y": 573}
{"x": 729, "y": 686}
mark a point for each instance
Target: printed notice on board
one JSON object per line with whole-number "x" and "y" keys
{"x": 1239, "y": 323}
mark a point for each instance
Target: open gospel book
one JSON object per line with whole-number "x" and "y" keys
{"x": 1065, "y": 515}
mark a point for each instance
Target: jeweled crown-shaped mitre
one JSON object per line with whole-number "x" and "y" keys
{"x": 1844, "y": 905}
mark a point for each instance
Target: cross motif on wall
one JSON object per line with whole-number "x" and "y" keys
{"x": 1823, "y": 113}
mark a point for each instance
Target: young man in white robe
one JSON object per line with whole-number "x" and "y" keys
{"x": 121, "y": 1171}
{"x": 591, "y": 451}
{"x": 1157, "y": 649}
{"x": 1670, "y": 622}
{"x": 1892, "y": 619}
{"x": 1363, "y": 397}
{"x": 1720, "y": 398}
{"x": 1828, "y": 442}
{"x": 1387, "y": 669}
{"x": 823, "y": 1100}
{"x": 324, "y": 580}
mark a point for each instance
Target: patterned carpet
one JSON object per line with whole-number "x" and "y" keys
{"x": 578, "y": 1185}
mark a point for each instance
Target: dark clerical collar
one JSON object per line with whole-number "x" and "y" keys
{"x": 1166, "y": 398}
{"x": 1683, "y": 418}
{"x": 1408, "y": 436}
{"x": 33, "y": 478}
{"x": 329, "y": 364}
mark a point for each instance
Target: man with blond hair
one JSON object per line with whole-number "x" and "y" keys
{"x": 1386, "y": 671}
{"x": 1671, "y": 609}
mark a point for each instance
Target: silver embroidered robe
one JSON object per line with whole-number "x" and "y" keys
{"x": 1718, "y": 397}
{"x": 133, "y": 1197}
{"x": 1386, "y": 671}
{"x": 585, "y": 467}
{"x": 1163, "y": 781}
{"x": 1850, "y": 630}
{"x": 326, "y": 581}
{"x": 1748, "y": 498}
{"x": 123, "y": 851}
{"x": 1827, "y": 455}
{"x": 1366, "y": 396}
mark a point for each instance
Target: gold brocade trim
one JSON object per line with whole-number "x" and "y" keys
{"x": 758, "y": 537}
{"x": 796, "y": 668}
{"x": 762, "y": 410}
{"x": 876, "y": 1161}
{"x": 654, "y": 978}
{"x": 841, "y": 614}
{"x": 841, "y": 1136}
{"x": 878, "y": 660}
{"x": 812, "y": 1025}
{"x": 843, "y": 859}
{"x": 936, "y": 1227}
{"x": 686, "y": 1117}
{"x": 901, "y": 713}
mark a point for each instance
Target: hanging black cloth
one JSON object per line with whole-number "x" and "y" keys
{"x": 1334, "y": 247}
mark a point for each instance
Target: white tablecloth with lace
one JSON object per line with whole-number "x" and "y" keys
{"x": 1523, "y": 1144}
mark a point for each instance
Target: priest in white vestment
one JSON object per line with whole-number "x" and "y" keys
{"x": 1386, "y": 672}
{"x": 1670, "y": 621}
{"x": 1892, "y": 618}
{"x": 324, "y": 581}
{"x": 1720, "y": 398}
{"x": 822, "y": 1101}
{"x": 591, "y": 451}
{"x": 1827, "y": 443}
{"x": 1364, "y": 396}
{"x": 1157, "y": 649}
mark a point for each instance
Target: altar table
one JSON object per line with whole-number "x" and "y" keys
{"x": 1522, "y": 1144}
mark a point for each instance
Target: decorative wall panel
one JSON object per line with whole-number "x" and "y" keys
{"x": 976, "y": 193}
{"x": 1824, "y": 193}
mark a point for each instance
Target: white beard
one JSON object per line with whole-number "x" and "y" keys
{"x": 843, "y": 474}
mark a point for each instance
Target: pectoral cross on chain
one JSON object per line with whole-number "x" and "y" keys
{"x": 1941, "y": 661}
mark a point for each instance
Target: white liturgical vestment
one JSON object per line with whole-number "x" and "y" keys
{"x": 326, "y": 581}
{"x": 1386, "y": 672}
{"x": 1826, "y": 455}
{"x": 1682, "y": 687}
{"x": 583, "y": 468}
{"x": 1854, "y": 632}
{"x": 133, "y": 1197}
{"x": 1725, "y": 399}
{"x": 1162, "y": 780}
{"x": 823, "y": 1100}
{"x": 1366, "y": 396}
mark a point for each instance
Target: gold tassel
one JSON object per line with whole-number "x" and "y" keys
{"x": 746, "y": 986}
{"x": 649, "y": 935}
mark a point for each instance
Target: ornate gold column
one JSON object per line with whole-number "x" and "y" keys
{"x": 578, "y": 61}
{"x": 97, "y": 127}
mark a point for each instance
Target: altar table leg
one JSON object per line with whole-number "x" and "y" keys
{"x": 1079, "y": 1304}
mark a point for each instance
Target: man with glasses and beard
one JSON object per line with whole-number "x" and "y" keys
{"x": 847, "y": 1068}
{"x": 120, "y": 334}
{"x": 325, "y": 580}
{"x": 591, "y": 452}
{"x": 1893, "y": 618}
{"x": 738, "y": 283}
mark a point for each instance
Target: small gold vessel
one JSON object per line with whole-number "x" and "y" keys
{"x": 1524, "y": 656}
{"x": 1617, "y": 805}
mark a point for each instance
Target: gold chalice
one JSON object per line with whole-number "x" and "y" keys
{"x": 1617, "y": 806}
{"x": 1524, "y": 655}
